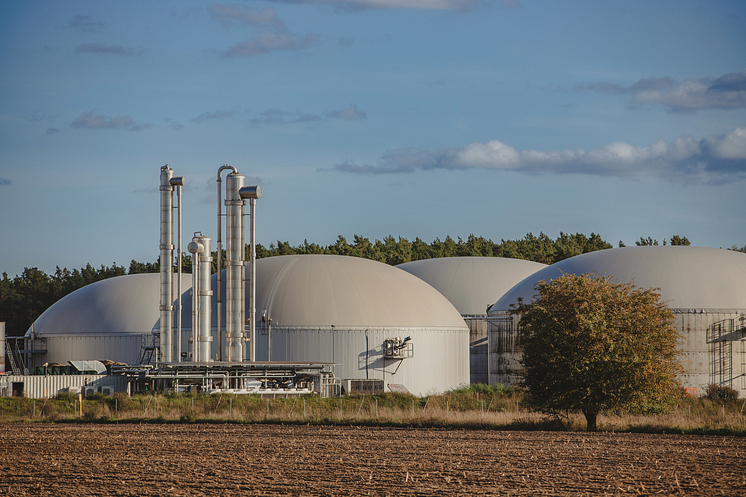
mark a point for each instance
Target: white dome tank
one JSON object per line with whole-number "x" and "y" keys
{"x": 103, "y": 320}
{"x": 704, "y": 287}
{"x": 472, "y": 284}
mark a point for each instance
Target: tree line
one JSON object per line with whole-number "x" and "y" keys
{"x": 24, "y": 297}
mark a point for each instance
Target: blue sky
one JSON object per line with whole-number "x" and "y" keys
{"x": 414, "y": 118}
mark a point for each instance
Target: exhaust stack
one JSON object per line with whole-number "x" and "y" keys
{"x": 235, "y": 255}
{"x": 168, "y": 183}
{"x": 166, "y": 262}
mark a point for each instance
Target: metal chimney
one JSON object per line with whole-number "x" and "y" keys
{"x": 235, "y": 255}
{"x": 166, "y": 262}
{"x": 252, "y": 193}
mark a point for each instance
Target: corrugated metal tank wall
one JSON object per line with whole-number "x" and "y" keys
{"x": 440, "y": 362}
{"x": 116, "y": 347}
{"x": 705, "y": 358}
{"x": 477, "y": 348}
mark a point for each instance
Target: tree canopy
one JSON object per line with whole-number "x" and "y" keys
{"x": 593, "y": 345}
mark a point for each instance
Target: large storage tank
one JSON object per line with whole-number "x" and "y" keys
{"x": 472, "y": 284}
{"x": 705, "y": 288}
{"x": 108, "y": 319}
{"x": 344, "y": 310}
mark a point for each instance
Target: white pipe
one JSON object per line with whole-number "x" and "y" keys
{"x": 195, "y": 248}
{"x": 252, "y": 283}
{"x": 166, "y": 262}
{"x": 178, "y": 279}
{"x": 205, "y": 294}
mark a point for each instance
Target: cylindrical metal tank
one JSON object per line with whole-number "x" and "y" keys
{"x": 234, "y": 265}
{"x": 472, "y": 284}
{"x": 109, "y": 319}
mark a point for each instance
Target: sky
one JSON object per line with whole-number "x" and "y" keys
{"x": 410, "y": 118}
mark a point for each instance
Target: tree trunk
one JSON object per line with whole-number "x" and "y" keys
{"x": 590, "y": 419}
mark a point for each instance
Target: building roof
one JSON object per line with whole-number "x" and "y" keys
{"x": 472, "y": 284}
{"x": 688, "y": 277}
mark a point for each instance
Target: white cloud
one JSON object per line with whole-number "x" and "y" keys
{"x": 730, "y": 146}
{"x": 349, "y": 114}
{"x": 714, "y": 159}
{"x": 725, "y": 92}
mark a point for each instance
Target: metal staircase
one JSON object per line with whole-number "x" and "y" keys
{"x": 149, "y": 344}
{"x": 721, "y": 336}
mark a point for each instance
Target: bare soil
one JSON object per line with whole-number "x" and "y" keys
{"x": 209, "y": 459}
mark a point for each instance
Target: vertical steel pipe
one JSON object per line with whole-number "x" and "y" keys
{"x": 252, "y": 283}
{"x": 234, "y": 267}
{"x": 166, "y": 262}
{"x": 195, "y": 248}
{"x": 252, "y": 193}
{"x": 205, "y": 294}
{"x": 219, "y": 288}
{"x": 178, "y": 182}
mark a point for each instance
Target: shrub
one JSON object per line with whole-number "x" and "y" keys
{"x": 721, "y": 394}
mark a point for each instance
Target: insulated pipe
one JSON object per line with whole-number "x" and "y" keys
{"x": 252, "y": 193}
{"x": 234, "y": 267}
{"x": 195, "y": 248}
{"x": 252, "y": 283}
{"x": 166, "y": 262}
{"x": 220, "y": 258}
{"x": 205, "y": 294}
{"x": 178, "y": 182}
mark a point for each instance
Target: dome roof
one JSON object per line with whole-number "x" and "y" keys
{"x": 472, "y": 284}
{"x": 689, "y": 277}
{"x": 323, "y": 290}
{"x": 124, "y": 304}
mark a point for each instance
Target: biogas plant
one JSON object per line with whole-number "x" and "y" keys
{"x": 333, "y": 325}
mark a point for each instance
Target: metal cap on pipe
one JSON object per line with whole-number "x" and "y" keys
{"x": 250, "y": 191}
{"x": 177, "y": 181}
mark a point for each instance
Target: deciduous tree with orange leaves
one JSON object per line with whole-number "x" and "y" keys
{"x": 591, "y": 344}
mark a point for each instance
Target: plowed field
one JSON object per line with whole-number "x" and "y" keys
{"x": 133, "y": 460}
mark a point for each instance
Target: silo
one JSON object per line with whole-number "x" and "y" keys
{"x": 472, "y": 284}
{"x": 704, "y": 287}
